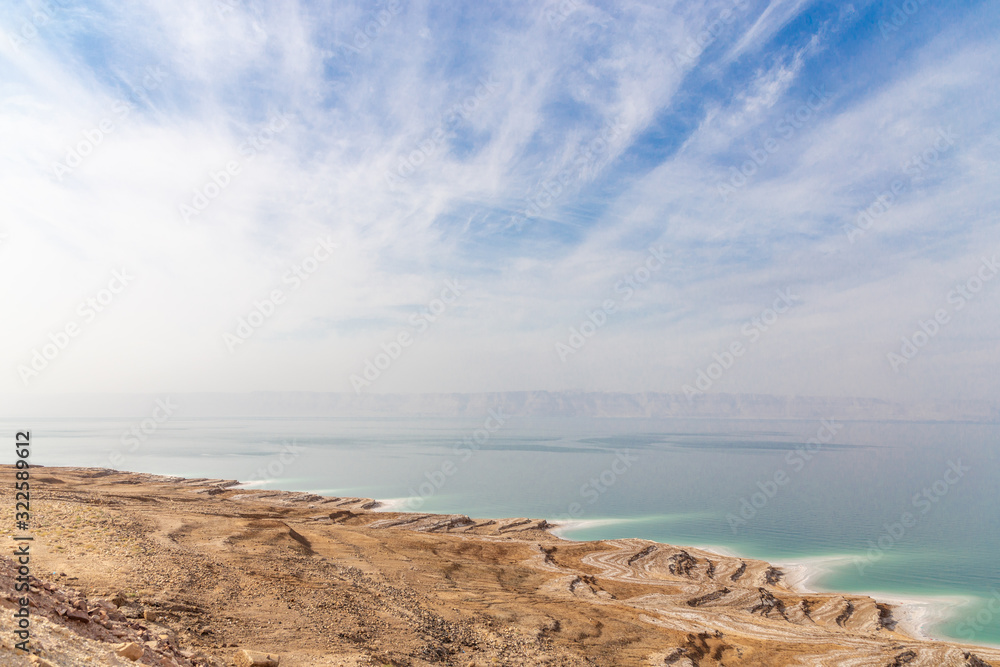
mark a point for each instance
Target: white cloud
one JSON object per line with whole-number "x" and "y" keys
{"x": 354, "y": 114}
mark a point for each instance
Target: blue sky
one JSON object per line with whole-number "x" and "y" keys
{"x": 844, "y": 154}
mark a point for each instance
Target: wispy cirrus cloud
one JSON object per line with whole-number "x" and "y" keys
{"x": 490, "y": 110}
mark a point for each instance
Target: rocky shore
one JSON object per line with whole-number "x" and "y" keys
{"x": 140, "y": 569}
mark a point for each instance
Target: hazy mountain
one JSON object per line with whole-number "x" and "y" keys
{"x": 519, "y": 403}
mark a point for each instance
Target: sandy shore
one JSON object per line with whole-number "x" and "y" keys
{"x": 195, "y": 572}
{"x": 914, "y": 616}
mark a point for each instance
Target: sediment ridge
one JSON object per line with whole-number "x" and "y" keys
{"x": 133, "y": 568}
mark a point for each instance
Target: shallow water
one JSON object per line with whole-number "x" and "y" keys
{"x": 904, "y": 508}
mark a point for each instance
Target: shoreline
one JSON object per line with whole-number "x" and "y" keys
{"x": 916, "y": 616}
{"x": 211, "y": 567}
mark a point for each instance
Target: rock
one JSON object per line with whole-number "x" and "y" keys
{"x": 150, "y": 615}
{"x": 974, "y": 660}
{"x": 131, "y": 651}
{"x": 682, "y": 563}
{"x": 769, "y": 602}
{"x": 247, "y": 658}
{"x": 78, "y": 615}
{"x": 130, "y": 612}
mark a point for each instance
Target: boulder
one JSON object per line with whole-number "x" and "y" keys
{"x": 247, "y": 658}
{"x": 131, "y": 651}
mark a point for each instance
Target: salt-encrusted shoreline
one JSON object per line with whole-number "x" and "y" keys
{"x": 224, "y": 567}
{"x": 914, "y": 616}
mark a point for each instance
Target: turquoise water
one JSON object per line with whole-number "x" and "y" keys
{"x": 908, "y": 508}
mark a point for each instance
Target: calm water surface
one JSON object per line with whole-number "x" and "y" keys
{"x": 908, "y": 508}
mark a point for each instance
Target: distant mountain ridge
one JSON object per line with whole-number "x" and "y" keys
{"x": 648, "y": 405}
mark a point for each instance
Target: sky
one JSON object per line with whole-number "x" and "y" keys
{"x": 790, "y": 197}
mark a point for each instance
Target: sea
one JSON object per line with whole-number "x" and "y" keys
{"x": 905, "y": 511}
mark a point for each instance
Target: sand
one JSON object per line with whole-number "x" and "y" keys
{"x": 196, "y": 571}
